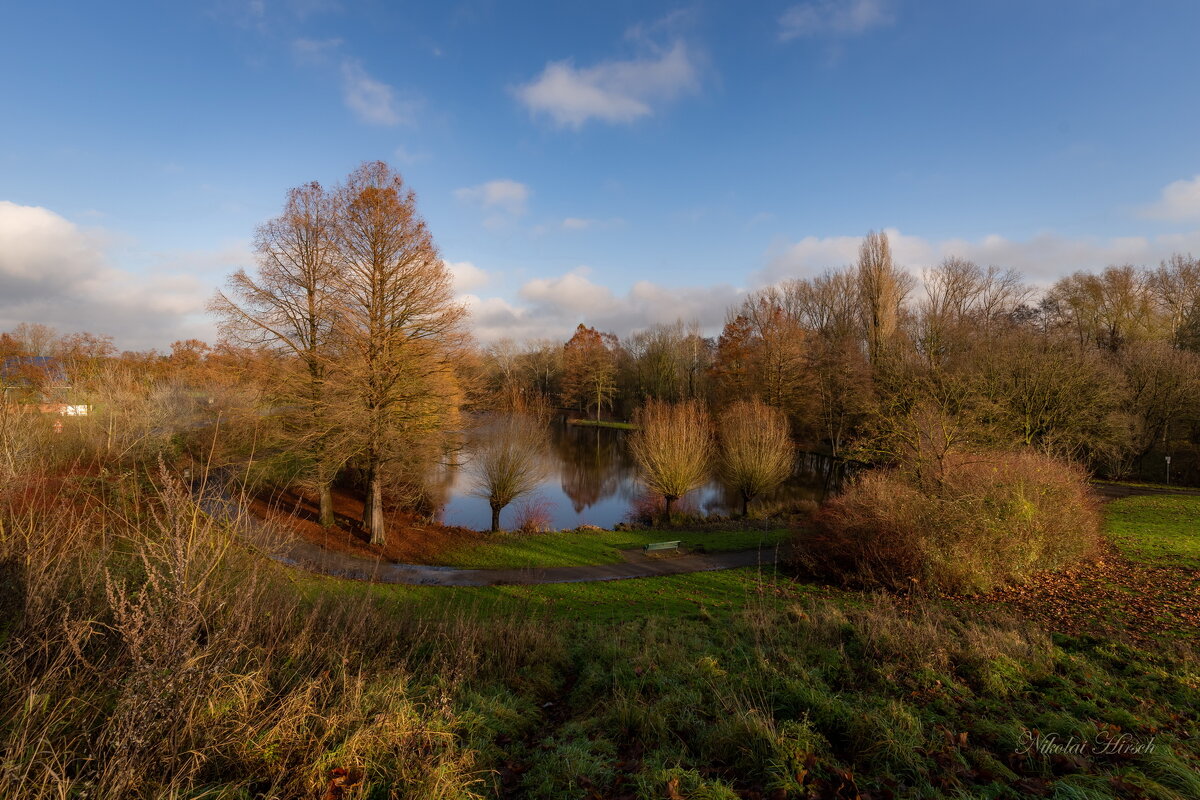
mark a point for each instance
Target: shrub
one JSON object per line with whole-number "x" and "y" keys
{"x": 987, "y": 520}
{"x": 756, "y": 452}
{"x": 534, "y": 515}
{"x": 673, "y": 448}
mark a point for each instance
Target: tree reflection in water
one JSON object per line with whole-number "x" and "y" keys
{"x": 594, "y": 464}
{"x": 592, "y": 480}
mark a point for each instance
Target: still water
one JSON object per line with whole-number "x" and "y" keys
{"x": 592, "y": 480}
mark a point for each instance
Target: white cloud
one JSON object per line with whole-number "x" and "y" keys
{"x": 834, "y": 18}
{"x": 504, "y": 194}
{"x": 572, "y": 292}
{"x": 611, "y": 91}
{"x": 505, "y": 200}
{"x": 1042, "y": 259}
{"x": 552, "y": 307}
{"x": 585, "y": 223}
{"x": 406, "y": 156}
{"x": 1179, "y": 201}
{"x": 53, "y": 272}
{"x": 466, "y": 276}
{"x": 373, "y": 101}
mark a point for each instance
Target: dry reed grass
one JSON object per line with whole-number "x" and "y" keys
{"x": 144, "y": 653}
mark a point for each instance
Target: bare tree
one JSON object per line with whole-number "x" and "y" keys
{"x": 673, "y": 447}
{"x": 1110, "y": 310}
{"x": 826, "y": 305}
{"x": 1175, "y": 286}
{"x": 959, "y": 295}
{"x": 756, "y": 451}
{"x": 508, "y": 461}
{"x": 881, "y": 292}
{"x": 36, "y": 339}
{"x": 288, "y": 307}
{"x": 397, "y": 321}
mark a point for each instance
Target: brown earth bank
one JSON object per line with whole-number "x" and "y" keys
{"x": 410, "y": 539}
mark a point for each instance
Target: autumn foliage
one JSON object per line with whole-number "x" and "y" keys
{"x": 990, "y": 519}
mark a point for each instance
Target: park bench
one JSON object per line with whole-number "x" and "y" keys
{"x": 653, "y": 546}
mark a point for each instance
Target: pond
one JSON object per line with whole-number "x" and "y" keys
{"x": 592, "y": 480}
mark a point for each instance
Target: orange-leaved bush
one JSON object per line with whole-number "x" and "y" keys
{"x": 988, "y": 519}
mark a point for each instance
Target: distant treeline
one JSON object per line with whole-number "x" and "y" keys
{"x": 1101, "y": 368}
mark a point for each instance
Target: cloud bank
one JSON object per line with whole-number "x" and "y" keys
{"x": 1179, "y": 201}
{"x": 552, "y": 307}
{"x": 53, "y": 272}
{"x": 611, "y": 91}
{"x": 1042, "y": 259}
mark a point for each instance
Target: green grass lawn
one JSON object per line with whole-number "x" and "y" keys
{"x": 572, "y": 548}
{"x": 1157, "y": 528}
{"x": 699, "y": 596}
{"x": 741, "y": 683}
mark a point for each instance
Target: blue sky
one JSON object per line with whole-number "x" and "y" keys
{"x": 617, "y": 163}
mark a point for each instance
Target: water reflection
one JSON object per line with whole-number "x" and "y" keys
{"x": 592, "y": 480}
{"x": 593, "y": 464}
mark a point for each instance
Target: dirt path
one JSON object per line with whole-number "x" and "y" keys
{"x": 307, "y": 556}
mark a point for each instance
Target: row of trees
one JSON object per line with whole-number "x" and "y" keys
{"x": 1101, "y": 368}
{"x": 676, "y": 446}
{"x": 351, "y": 293}
{"x": 348, "y": 324}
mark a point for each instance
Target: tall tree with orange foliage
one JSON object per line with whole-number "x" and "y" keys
{"x": 398, "y": 325}
{"x": 733, "y": 367}
{"x": 589, "y": 369}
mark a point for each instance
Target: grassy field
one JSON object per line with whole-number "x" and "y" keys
{"x": 1157, "y": 528}
{"x": 706, "y": 596}
{"x": 747, "y": 684}
{"x": 569, "y": 548}
{"x": 153, "y": 658}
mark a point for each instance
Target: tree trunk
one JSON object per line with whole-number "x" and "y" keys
{"x": 667, "y": 500}
{"x": 366, "y": 512}
{"x": 373, "y": 509}
{"x": 495, "y": 518}
{"x": 745, "y": 504}
{"x": 327, "y": 519}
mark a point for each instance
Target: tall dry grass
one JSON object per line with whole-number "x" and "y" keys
{"x": 146, "y": 653}
{"x": 988, "y": 519}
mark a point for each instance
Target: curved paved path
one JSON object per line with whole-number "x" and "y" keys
{"x": 313, "y": 558}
